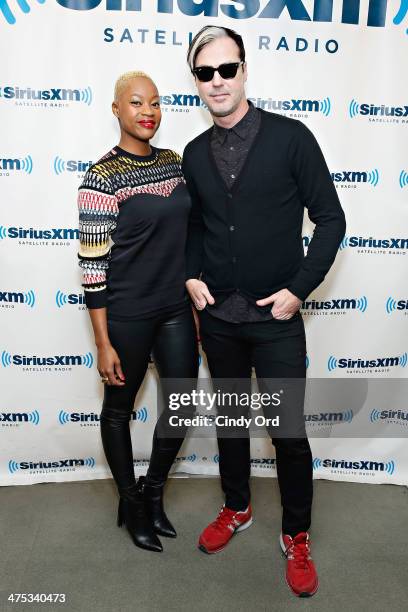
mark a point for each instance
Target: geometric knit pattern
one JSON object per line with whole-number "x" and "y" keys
{"x": 106, "y": 186}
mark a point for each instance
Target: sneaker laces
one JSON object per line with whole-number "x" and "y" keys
{"x": 224, "y": 518}
{"x": 299, "y": 548}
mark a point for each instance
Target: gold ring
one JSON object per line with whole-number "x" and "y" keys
{"x": 104, "y": 379}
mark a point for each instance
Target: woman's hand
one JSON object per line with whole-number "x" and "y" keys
{"x": 108, "y": 361}
{"x": 109, "y": 366}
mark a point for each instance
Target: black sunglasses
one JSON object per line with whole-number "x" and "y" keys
{"x": 226, "y": 71}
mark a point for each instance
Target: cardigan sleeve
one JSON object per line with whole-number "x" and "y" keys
{"x": 319, "y": 196}
{"x": 98, "y": 211}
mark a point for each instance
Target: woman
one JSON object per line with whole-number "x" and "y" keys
{"x": 135, "y": 196}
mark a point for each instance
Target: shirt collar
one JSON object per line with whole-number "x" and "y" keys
{"x": 241, "y": 128}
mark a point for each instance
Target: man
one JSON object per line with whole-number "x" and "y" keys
{"x": 250, "y": 177}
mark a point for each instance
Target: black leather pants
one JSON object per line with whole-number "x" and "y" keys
{"x": 171, "y": 338}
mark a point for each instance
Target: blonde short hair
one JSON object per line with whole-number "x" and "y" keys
{"x": 206, "y": 35}
{"x": 124, "y": 78}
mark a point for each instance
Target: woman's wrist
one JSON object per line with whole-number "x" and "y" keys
{"x": 102, "y": 343}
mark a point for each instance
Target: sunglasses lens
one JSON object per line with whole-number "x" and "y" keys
{"x": 205, "y": 73}
{"x": 228, "y": 71}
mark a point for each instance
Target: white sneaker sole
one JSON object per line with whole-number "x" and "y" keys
{"x": 245, "y": 525}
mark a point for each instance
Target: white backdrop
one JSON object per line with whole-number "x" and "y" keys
{"x": 341, "y": 71}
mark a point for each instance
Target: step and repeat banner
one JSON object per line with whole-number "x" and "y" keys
{"x": 340, "y": 67}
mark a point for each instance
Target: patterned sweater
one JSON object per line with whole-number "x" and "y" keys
{"x": 133, "y": 214}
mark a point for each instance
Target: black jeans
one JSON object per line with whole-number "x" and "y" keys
{"x": 171, "y": 338}
{"x": 276, "y": 349}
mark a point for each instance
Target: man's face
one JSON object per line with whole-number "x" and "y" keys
{"x": 222, "y": 96}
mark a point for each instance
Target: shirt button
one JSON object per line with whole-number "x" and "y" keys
{"x": 232, "y": 176}
{"x": 232, "y": 227}
{"x": 232, "y": 149}
{"x": 234, "y": 260}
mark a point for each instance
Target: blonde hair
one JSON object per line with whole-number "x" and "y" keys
{"x": 124, "y": 78}
{"x": 206, "y": 35}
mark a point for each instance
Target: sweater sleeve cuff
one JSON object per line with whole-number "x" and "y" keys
{"x": 193, "y": 270}
{"x": 192, "y": 275}
{"x": 96, "y": 299}
{"x": 300, "y": 292}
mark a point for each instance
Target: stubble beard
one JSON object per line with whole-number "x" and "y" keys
{"x": 226, "y": 112}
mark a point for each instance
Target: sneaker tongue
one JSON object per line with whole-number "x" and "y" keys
{"x": 301, "y": 537}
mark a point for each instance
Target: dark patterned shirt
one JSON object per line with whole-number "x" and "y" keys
{"x": 230, "y": 148}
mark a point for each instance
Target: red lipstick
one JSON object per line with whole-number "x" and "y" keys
{"x": 147, "y": 123}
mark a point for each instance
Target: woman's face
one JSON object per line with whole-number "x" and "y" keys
{"x": 138, "y": 109}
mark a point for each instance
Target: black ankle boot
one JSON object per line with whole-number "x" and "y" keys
{"x": 153, "y": 496}
{"x": 132, "y": 512}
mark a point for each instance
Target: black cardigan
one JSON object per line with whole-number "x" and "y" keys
{"x": 249, "y": 238}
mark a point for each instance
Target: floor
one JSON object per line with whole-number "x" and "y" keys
{"x": 63, "y": 538}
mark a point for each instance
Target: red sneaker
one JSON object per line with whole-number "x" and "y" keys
{"x": 301, "y": 574}
{"x": 216, "y": 536}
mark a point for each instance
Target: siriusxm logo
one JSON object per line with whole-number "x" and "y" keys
{"x": 55, "y": 233}
{"x": 317, "y": 11}
{"x": 362, "y": 464}
{"x": 371, "y": 110}
{"x": 17, "y": 164}
{"x": 329, "y": 417}
{"x": 15, "y": 466}
{"x": 16, "y": 418}
{"x": 179, "y": 99}
{"x": 306, "y": 240}
{"x": 337, "y": 304}
{"x": 190, "y": 458}
{"x": 264, "y": 462}
{"x": 294, "y": 105}
{"x": 392, "y": 305}
{"x": 403, "y": 179}
{"x": 378, "y": 362}
{"x": 394, "y": 416}
{"x": 11, "y": 92}
{"x": 60, "y": 165}
{"x": 8, "y": 360}
{"x": 64, "y": 299}
{"x": 140, "y": 462}
{"x": 264, "y": 9}
{"x": 8, "y": 14}
{"x": 371, "y": 177}
{"x": 398, "y": 244}
{"x": 91, "y": 418}
{"x": 8, "y": 298}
